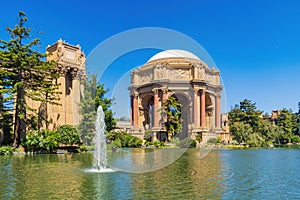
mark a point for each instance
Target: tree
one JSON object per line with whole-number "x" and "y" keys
{"x": 240, "y": 131}
{"x": 105, "y": 103}
{"x": 94, "y": 96}
{"x": 26, "y": 73}
{"x": 171, "y": 110}
{"x": 245, "y": 112}
{"x": 287, "y": 121}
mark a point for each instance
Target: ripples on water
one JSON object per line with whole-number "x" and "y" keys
{"x": 223, "y": 174}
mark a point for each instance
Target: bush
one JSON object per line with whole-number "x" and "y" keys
{"x": 68, "y": 135}
{"x": 187, "y": 143}
{"x": 45, "y": 140}
{"x": 214, "y": 140}
{"x": 148, "y": 143}
{"x": 296, "y": 139}
{"x": 148, "y": 135}
{"x": 51, "y": 140}
{"x": 199, "y": 138}
{"x": 156, "y": 143}
{"x": 175, "y": 141}
{"x": 123, "y": 139}
{"x": 117, "y": 143}
{"x": 5, "y": 150}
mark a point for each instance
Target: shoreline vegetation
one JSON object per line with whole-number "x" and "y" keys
{"x": 249, "y": 126}
{"x": 8, "y": 150}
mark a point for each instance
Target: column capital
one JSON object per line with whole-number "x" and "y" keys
{"x": 196, "y": 89}
{"x": 135, "y": 94}
{"x": 218, "y": 95}
{"x": 203, "y": 90}
{"x": 155, "y": 90}
{"x": 164, "y": 90}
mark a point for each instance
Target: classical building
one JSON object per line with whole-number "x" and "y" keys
{"x": 183, "y": 75}
{"x": 71, "y": 66}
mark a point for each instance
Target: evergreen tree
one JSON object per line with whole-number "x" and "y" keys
{"x": 247, "y": 113}
{"x": 26, "y": 75}
{"x": 106, "y": 103}
{"x": 171, "y": 110}
{"x": 94, "y": 96}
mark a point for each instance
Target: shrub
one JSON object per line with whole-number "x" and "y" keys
{"x": 199, "y": 138}
{"x": 45, "y": 140}
{"x": 214, "y": 140}
{"x": 117, "y": 143}
{"x": 51, "y": 140}
{"x": 68, "y": 135}
{"x": 156, "y": 143}
{"x": 148, "y": 135}
{"x": 296, "y": 139}
{"x": 34, "y": 141}
{"x": 175, "y": 141}
{"x": 5, "y": 150}
{"x": 123, "y": 139}
{"x": 187, "y": 143}
{"x": 148, "y": 143}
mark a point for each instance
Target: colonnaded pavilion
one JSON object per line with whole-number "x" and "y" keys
{"x": 184, "y": 76}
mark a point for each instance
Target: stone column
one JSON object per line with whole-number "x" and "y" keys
{"x": 76, "y": 96}
{"x": 164, "y": 98}
{"x": 135, "y": 109}
{"x": 202, "y": 108}
{"x": 196, "y": 107}
{"x": 155, "y": 108}
{"x": 131, "y": 109}
{"x": 217, "y": 111}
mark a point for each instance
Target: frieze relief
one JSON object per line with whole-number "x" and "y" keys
{"x": 144, "y": 77}
{"x": 179, "y": 74}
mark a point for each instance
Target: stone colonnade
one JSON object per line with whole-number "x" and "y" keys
{"x": 198, "y": 108}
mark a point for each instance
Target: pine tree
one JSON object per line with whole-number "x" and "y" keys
{"x": 27, "y": 74}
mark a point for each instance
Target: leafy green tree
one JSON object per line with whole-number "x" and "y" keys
{"x": 171, "y": 109}
{"x": 267, "y": 131}
{"x": 240, "y": 131}
{"x": 94, "y": 96}
{"x": 287, "y": 121}
{"x": 26, "y": 73}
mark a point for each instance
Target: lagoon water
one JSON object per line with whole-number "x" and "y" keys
{"x": 222, "y": 174}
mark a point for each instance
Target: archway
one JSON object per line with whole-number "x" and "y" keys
{"x": 185, "y": 109}
{"x": 147, "y": 111}
{"x": 209, "y": 112}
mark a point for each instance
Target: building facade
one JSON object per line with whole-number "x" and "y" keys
{"x": 71, "y": 67}
{"x": 183, "y": 75}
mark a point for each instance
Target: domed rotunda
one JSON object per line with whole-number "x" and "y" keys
{"x": 184, "y": 76}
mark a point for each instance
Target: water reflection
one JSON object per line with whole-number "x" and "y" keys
{"x": 42, "y": 177}
{"x": 187, "y": 178}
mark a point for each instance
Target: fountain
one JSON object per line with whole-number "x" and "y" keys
{"x": 100, "y": 158}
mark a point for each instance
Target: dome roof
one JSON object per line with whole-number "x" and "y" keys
{"x": 173, "y": 53}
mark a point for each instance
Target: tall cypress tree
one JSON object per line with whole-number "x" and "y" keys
{"x": 94, "y": 96}
{"x": 27, "y": 74}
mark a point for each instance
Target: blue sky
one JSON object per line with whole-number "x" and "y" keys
{"x": 255, "y": 44}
